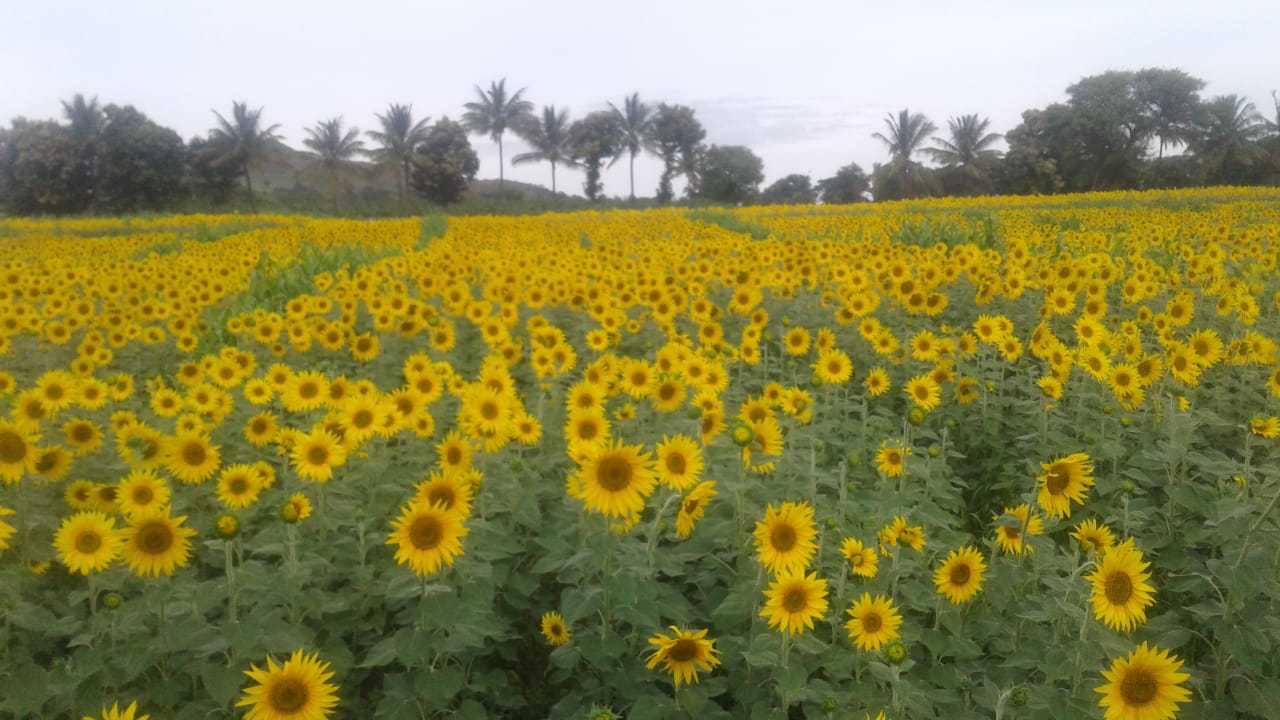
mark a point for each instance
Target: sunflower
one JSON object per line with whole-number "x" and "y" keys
{"x": 1267, "y": 427}
{"x": 87, "y": 542}
{"x": 452, "y": 491}
{"x": 82, "y": 435}
{"x": 427, "y": 537}
{"x": 863, "y": 560}
{"x": 615, "y": 480}
{"x": 80, "y": 494}
{"x": 959, "y": 577}
{"x": 53, "y": 463}
{"x": 1014, "y": 525}
{"x": 554, "y": 629}
{"x": 141, "y": 490}
{"x": 316, "y": 454}
{"x": 166, "y": 402}
{"x": 924, "y": 391}
{"x": 6, "y": 530}
{"x": 1121, "y": 593}
{"x": 785, "y": 538}
{"x": 1093, "y": 537}
{"x": 877, "y": 382}
{"x": 454, "y": 453}
{"x": 587, "y": 428}
{"x": 18, "y": 452}
{"x": 872, "y": 622}
{"x": 192, "y": 458}
{"x": 239, "y": 486}
{"x": 833, "y": 367}
{"x": 156, "y": 544}
{"x": 296, "y": 509}
{"x": 115, "y": 713}
{"x": 891, "y": 460}
{"x": 683, "y": 654}
{"x": 295, "y": 690}
{"x": 679, "y": 462}
{"x": 898, "y": 531}
{"x": 637, "y": 378}
{"x": 306, "y": 390}
{"x": 693, "y": 506}
{"x": 1146, "y": 685}
{"x": 797, "y": 341}
{"x": 794, "y": 600}
{"x": 261, "y": 429}
{"x": 668, "y": 395}
{"x": 1064, "y": 480}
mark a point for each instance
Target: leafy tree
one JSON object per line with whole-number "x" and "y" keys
{"x": 1030, "y": 165}
{"x": 140, "y": 165}
{"x": 967, "y": 156}
{"x": 849, "y": 185}
{"x": 41, "y": 170}
{"x": 791, "y": 190}
{"x": 86, "y": 120}
{"x": 1110, "y": 131}
{"x": 593, "y": 140}
{"x": 903, "y": 177}
{"x": 244, "y": 142}
{"x": 549, "y": 138}
{"x": 731, "y": 174}
{"x": 1170, "y": 103}
{"x": 444, "y": 163}
{"x": 676, "y": 137}
{"x": 494, "y": 112}
{"x": 396, "y": 141}
{"x": 211, "y": 180}
{"x": 334, "y": 150}
{"x": 1227, "y": 143}
{"x": 635, "y": 123}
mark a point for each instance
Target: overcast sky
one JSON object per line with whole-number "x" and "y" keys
{"x": 803, "y": 83}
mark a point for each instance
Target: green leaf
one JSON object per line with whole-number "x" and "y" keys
{"x": 221, "y": 682}
{"x": 382, "y": 653}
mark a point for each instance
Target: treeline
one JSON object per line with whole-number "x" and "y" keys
{"x": 1118, "y": 130}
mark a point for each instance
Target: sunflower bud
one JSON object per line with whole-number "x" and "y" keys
{"x": 830, "y": 704}
{"x": 895, "y": 651}
{"x": 227, "y": 526}
{"x": 112, "y": 601}
{"x": 1019, "y": 696}
{"x": 853, "y": 459}
{"x": 742, "y": 435}
{"x": 934, "y": 451}
{"x": 916, "y": 416}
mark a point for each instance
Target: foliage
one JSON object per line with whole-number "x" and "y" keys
{"x": 493, "y": 112}
{"x": 731, "y": 174}
{"x": 444, "y": 163}
{"x": 397, "y": 138}
{"x": 849, "y": 185}
{"x": 902, "y": 176}
{"x": 635, "y": 125}
{"x": 41, "y": 171}
{"x": 593, "y": 140}
{"x": 549, "y": 138}
{"x": 333, "y": 149}
{"x": 140, "y": 165}
{"x": 244, "y": 142}
{"x": 794, "y": 189}
{"x": 676, "y": 138}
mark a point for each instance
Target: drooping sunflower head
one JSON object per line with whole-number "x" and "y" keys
{"x": 1013, "y": 527}
{"x": 1093, "y": 537}
{"x": 1065, "y": 480}
{"x": 693, "y": 507}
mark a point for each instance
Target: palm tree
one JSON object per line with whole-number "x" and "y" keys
{"x": 549, "y": 138}
{"x": 1227, "y": 141}
{"x": 967, "y": 155}
{"x": 244, "y": 142}
{"x": 397, "y": 139}
{"x": 907, "y": 134}
{"x": 333, "y": 150}
{"x": 635, "y": 123}
{"x": 494, "y": 112}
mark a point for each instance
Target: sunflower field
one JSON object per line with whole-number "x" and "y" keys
{"x": 1000, "y": 457}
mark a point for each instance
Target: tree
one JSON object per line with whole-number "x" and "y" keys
{"x": 494, "y": 112}
{"x": 40, "y": 170}
{"x": 212, "y": 181}
{"x": 1170, "y": 102}
{"x": 1227, "y": 143}
{"x": 140, "y": 165}
{"x": 549, "y": 138}
{"x": 333, "y": 150}
{"x": 1031, "y": 164}
{"x": 731, "y": 174}
{"x": 967, "y": 157}
{"x": 86, "y": 120}
{"x": 676, "y": 137}
{"x": 635, "y": 123}
{"x": 593, "y": 140}
{"x": 849, "y": 185}
{"x": 396, "y": 141}
{"x": 1110, "y": 130}
{"x": 444, "y": 163}
{"x": 790, "y": 190}
{"x": 244, "y": 142}
{"x": 903, "y": 177}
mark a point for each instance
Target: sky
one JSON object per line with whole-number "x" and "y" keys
{"x": 803, "y": 83}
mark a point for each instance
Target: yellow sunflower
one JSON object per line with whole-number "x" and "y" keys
{"x": 683, "y": 654}
{"x": 959, "y": 577}
{"x": 18, "y": 452}
{"x": 891, "y": 460}
{"x": 863, "y": 560}
{"x": 924, "y": 391}
{"x": 316, "y": 454}
{"x": 87, "y": 542}
{"x": 668, "y": 395}
{"x": 239, "y": 486}
{"x": 427, "y": 537}
{"x": 6, "y": 530}
{"x": 261, "y": 429}
{"x": 833, "y": 367}
{"x": 53, "y": 463}
{"x": 693, "y": 506}
{"x": 156, "y": 544}
{"x": 872, "y": 622}
{"x": 554, "y": 629}
{"x": 615, "y": 480}
{"x": 1064, "y": 481}
{"x": 1121, "y": 593}
{"x": 679, "y": 462}
{"x": 454, "y": 453}
{"x": 1146, "y": 685}
{"x": 794, "y": 600}
{"x": 452, "y": 491}
{"x": 192, "y": 458}
{"x": 877, "y": 382}
{"x": 141, "y": 490}
{"x": 1093, "y": 537}
{"x": 115, "y": 713}
{"x": 297, "y": 690}
{"x": 1014, "y": 525}
{"x": 296, "y": 509}
{"x": 785, "y": 538}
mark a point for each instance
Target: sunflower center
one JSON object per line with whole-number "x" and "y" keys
{"x": 676, "y": 463}
{"x": 46, "y": 462}
{"x": 81, "y": 433}
{"x": 442, "y": 495}
{"x": 960, "y": 574}
{"x": 238, "y": 486}
{"x": 426, "y": 533}
{"x": 1056, "y": 480}
{"x": 142, "y": 495}
{"x": 88, "y": 542}
{"x": 318, "y": 455}
{"x": 690, "y": 506}
{"x": 193, "y": 454}
{"x": 12, "y": 447}
{"x": 154, "y": 538}
{"x": 1138, "y": 687}
{"x": 308, "y": 390}
{"x": 684, "y": 650}
{"x": 362, "y": 419}
{"x": 667, "y": 391}
{"x": 288, "y": 696}
{"x": 587, "y": 430}
{"x": 490, "y": 411}
{"x": 795, "y": 600}
{"x": 783, "y": 537}
{"x": 1119, "y": 588}
{"x": 259, "y": 427}
{"x": 871, "y": 623}
{"x": 614, "y": 474}
{"x": 453, "y": 456}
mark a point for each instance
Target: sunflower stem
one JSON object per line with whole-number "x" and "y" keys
{"x": 231, "y": 581}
